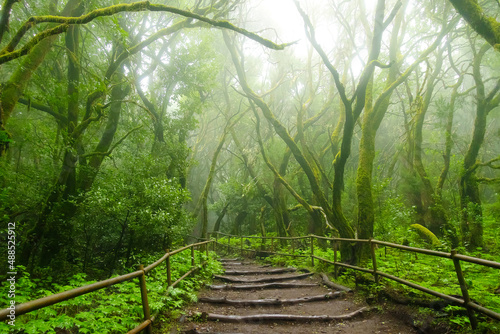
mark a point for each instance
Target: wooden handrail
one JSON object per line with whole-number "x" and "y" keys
{"x": 73, "y": 293}
{"x": 168, "y": 254}
{"x": 65, "y": 295}
{"x": 465, "y": 302}
{"x": 414, "y": 249}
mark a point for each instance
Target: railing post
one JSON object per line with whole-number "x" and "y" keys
{"x": 206, "y": 248}
{"x": 335, "y": 270}
{"x": 374, "y": 261}
{"x": 228, "y": 243}
{"x": 293, "y": 246}
{"x": 241, "y": 245}
{"x": 144, "y": 297}
{"x": 169, "y": 274}
{"x": 312, "y": 251}
{"x": 463, "y": 287}
{"x": 207, "y": 244}
{"x": 216, "y": 241}
{"x": 192, "y": 256}
{"x": 272, "y": 244}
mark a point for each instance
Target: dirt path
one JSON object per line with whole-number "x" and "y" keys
{"x": 240, "y": 307}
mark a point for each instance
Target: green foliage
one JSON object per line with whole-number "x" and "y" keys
{"x": 116, "y": 309}
{"x": 130, "y": 211}
{"x": 392, "y": 214}
{"x": 4, "y": 137}
{"x": 243, "y": 197}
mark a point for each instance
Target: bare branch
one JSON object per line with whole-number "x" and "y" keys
{"x": 309, "y": 29}
{"x": 488, "y": 180}
{"x": 393, "y": 14}
{"x": 28, "y": 102}
{"x": 108, "y": 153}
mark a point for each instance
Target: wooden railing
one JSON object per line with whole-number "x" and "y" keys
{"x": 140, "y": 274}
{"x": 466, "y": 302}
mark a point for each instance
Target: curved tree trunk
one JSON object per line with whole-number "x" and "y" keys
{"x": 220, "y": 217}
{"x": 343, "y": 225}
{"x": 470, "y": 200}
{"x": 202, "y": 201}
{"x": 371, "y": 122}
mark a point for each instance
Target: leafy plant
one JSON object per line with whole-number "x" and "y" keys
{"x": 116, "y": 309}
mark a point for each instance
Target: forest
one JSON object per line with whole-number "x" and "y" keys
{"x": 128, "y": 128}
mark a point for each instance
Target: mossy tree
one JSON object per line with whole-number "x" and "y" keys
{"x": 96, "y": 86}
{"x": 352, "y": 110}
{"x": 352, "y": 107}
{"x": 374, "y": 113}
{"x": 470, "y": 198}
{"x": 46, "y": 35}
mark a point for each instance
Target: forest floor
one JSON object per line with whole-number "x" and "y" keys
{"x": 226, "y": 307}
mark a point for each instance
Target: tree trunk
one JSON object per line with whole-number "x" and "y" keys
{"x": 281, "y": 215}
{"x": 88, "y": 173}
{"x": 202, "y": 202}
{"x": 371, "y": 122}
{"x": 470, "y": 201}
{"x": 219, "y": 218}
{"x": 434, "y": 215}
{"x": 57, "y": 229}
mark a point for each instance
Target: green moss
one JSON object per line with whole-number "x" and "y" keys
{"x": 425, "y": 233}
{"x": 473, "y": 13}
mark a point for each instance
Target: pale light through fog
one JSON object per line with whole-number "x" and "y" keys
{"x": 284, "y": 24}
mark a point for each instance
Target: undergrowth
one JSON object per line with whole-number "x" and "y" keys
{"x": 116, "y": 309}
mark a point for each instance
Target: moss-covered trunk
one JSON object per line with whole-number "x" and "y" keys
{"x": 89, "y": 172}
{"x": 433, "y": 211}
{"x": 471, "y": 224}
{"x": 372, "y": 119}
{"x": 470, "y": 201}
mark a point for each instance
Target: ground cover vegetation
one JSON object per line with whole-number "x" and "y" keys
{"x": 116, "y": 309}
{"x": 127, "y": 126}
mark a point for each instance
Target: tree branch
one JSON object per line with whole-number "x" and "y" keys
{"x": 486, "y": 164}
{"x": 108, "y": 153}
{"x": 60, "y": 118}
{"x": 484, "y": 25}
{"x": 278, "y": 127}
{"x": 273, "y": 169}
{"x": 488, "y": 180}
{"x": 4, "y": 19}
{"x": 309, "y": 29}
{"x": 393, "y": 14}
{"x": 8, "y": 56}
{"x": 8, "y": 52}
